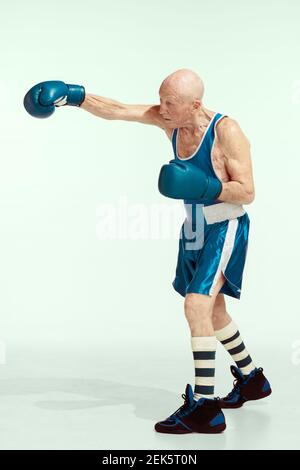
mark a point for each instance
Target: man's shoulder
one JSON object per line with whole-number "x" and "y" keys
{"x": 229, "y": 127}
{"x": 226, "y": 123}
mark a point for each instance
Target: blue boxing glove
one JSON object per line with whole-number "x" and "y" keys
{"x": 183, "y": 180}
{"x": 40, "y": 100}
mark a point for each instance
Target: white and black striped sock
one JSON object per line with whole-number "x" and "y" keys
{"x": 204, "y": 353}
{"x": 231, "y": 339}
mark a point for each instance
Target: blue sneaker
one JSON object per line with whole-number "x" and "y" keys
{"x": 202, "y": 416}
{"x": 251, "y": 387}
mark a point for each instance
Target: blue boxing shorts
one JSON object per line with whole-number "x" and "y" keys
{"x": 218, "y": 243}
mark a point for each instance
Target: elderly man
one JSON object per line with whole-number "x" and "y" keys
{"x": 212, "y": 172}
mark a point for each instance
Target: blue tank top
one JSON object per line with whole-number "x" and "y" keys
{"x": 202, "y": 156}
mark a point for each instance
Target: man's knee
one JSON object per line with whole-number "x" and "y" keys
{"x": 219, "y": 313}
{"x": 197, "y": 306}
{"x": 219, "y": 305}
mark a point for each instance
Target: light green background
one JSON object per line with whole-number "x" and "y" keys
{"x": 58, "y": 281}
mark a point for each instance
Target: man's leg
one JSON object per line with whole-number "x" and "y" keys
{"x": 227, "y": 333}
{"x": 250, "y": 382}
{"x": 198, "y": 311}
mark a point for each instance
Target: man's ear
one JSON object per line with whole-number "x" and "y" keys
{"x": 197, "y": 104}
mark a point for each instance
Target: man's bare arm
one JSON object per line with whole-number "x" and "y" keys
{"x": 107, "y": 108}
{"x": 236, "y": 147}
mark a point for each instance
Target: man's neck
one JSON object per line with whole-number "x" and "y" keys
{"x": 199, "y": 123}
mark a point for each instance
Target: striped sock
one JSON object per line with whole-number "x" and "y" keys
{"x": 204, "y": 352}
{"x": 231, "y": 339}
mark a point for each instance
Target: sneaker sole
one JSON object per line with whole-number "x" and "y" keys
{"x": 208, "y": 430}
{"x": 239, "y": 405}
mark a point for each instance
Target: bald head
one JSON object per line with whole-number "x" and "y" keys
{"x": 185, "y": 83}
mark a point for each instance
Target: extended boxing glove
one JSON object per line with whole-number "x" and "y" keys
{"x": 40, "y": 100}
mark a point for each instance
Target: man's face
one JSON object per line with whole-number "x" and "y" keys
{"x": 173, "y": 109}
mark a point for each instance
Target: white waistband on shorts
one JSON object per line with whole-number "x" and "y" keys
{"x": 222, "y": 211}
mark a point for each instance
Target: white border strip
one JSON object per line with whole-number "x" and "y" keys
{"x": 226, "y": 251}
